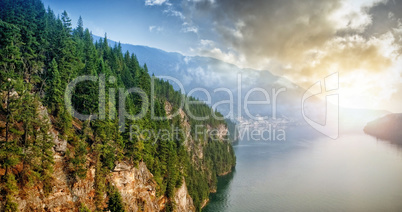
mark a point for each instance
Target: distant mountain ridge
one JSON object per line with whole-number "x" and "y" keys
{"x": 210, "y": 73}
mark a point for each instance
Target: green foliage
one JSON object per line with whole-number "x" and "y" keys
{"x": 100, "y": 187}
{"x": 83, "y": 208}
{"x": 77, "y": 157}
{"x": 55, "y": 93}
{"x": 115, "y": 203}
{"x": 10, "y": 189}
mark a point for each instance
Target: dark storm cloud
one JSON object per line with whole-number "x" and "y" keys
{"x": 385, "y": 16}
{"x": 297, "y": 33}
{"x": 273, "y": 28}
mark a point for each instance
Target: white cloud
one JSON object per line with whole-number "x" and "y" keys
{"x": 208, "y": 48}
{"x": 155, "y": 29}
{"x": 170, "y": 11}
{"x": 186, "y": 27}
{"x": 350, "y": 16}
{"x": 155, "y": 2}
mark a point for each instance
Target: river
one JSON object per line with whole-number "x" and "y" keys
{"x": 353, "y": 173}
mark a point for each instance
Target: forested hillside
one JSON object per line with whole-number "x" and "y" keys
{"x": 41, "y": 53}
{"x": 387, "y": 127}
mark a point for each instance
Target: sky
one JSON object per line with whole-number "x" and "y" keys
{"x": 303, "y": 41}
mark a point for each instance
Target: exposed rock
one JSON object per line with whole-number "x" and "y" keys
{"x": 62, "y": 197}
{"x": 168, "y": 108}
{"x": 60, "y": 144}
{"x": 137, "y": 188}
{"x": 204, "y": 203}
{"x": 222, "y": 131}
{"x": 184, "y": 202}
{"x": 135, "y": 184}
{"x": 122, "y": 166}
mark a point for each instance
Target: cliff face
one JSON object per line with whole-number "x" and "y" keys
{"x": 64, "y": 195}
{"x": 136, "y": 186}
{"x": 203, "y": 133}
{"x": 198, "y": 141}
{"x": 183, "y": 200}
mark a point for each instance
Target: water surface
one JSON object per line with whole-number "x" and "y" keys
{"x": 353, "y": 173}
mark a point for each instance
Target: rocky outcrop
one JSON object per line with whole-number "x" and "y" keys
{"x": 60, "y": 144}
{"x": 219, "y": 132}
{"x": 184, "y": 203}
{"x": 136, "y": 186}
{"x": 191, "y": 146}
{"x": 64, "y": 196}
{"x": 195, "y": 146}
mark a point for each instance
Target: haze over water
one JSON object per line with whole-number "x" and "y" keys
{"x": 353, "y": 173}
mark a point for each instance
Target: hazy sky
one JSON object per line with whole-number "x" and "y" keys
{"x": 303, "y": 41}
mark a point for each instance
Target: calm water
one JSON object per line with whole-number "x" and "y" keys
{"x": 353, "y": 173}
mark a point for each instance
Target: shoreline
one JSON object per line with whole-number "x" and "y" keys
{"x": 206, "y": 201}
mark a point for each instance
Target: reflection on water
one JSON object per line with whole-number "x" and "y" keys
{"x": 353, "y": 173}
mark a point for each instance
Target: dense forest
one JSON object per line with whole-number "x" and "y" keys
{"x": 41, "y": 53}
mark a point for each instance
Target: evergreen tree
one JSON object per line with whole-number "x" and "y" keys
{"x": 115, "y": 203}
{"x": 54, "y": 95}
{"x": 66, "y": 22}
{"x": 79, "y": 31}
{"x": 39, "y": 55}
{"x": 10, "y": 190}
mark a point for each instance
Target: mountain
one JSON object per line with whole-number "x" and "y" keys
{"x": 210, "y": 74}
{"x": 195, "y": 72}
{"x": 74, "y": 136}
{"x": 386, "y": 128}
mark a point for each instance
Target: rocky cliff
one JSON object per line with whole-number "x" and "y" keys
{"x": 135, "y": 184}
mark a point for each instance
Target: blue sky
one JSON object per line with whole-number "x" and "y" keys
{"x": 130, "y": 21}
